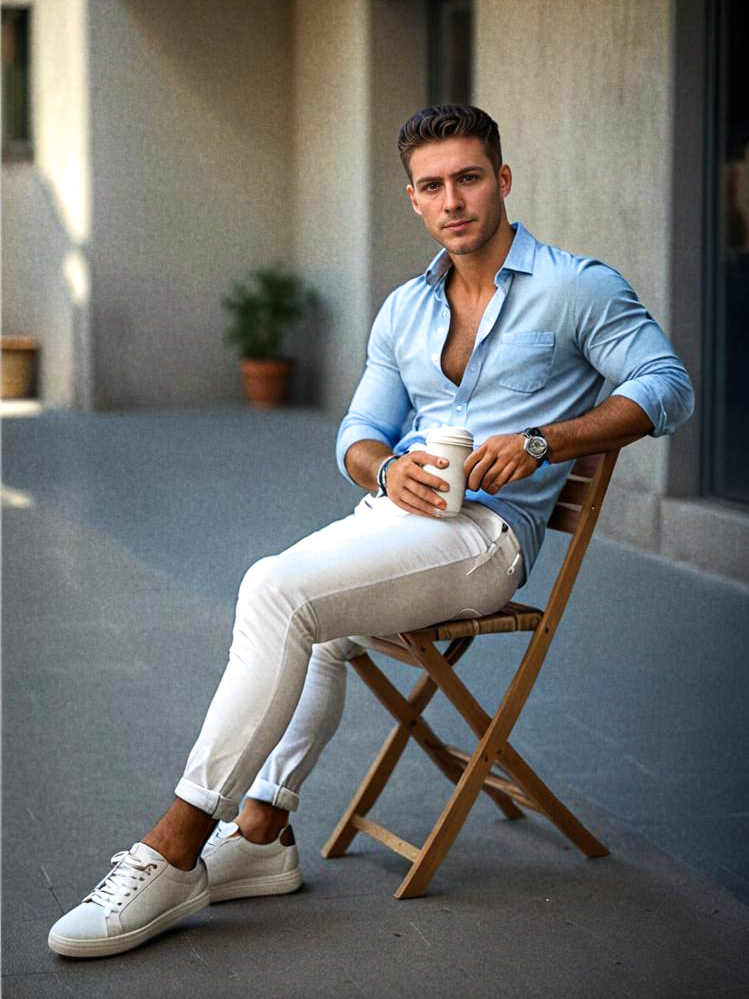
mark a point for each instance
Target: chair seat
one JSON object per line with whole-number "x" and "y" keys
{"x": 512, "y": 617}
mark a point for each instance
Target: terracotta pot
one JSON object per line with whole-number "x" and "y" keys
{"x": 266, "y": 383}
{"x": 19, "y": 359}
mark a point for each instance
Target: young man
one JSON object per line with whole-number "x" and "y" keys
{"x": 504, "y": 335}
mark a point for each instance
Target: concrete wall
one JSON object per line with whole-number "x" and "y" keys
{"x": 360, "y": 69}
{"x": 400, "y": 246}
{"x": 47, "y": 208}
{"x": 331, "y": 208}
{"x": 582, "y": 91}
{"x": 221, "y": 137}
{"x": 191, "y": 119}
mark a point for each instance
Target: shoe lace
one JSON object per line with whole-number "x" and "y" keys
{"x": 123, "y": 880}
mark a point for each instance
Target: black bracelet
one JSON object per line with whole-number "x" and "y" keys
{"x": 382, "y": 472}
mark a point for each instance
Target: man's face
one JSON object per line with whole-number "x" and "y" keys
{"x": 457, "y": 192}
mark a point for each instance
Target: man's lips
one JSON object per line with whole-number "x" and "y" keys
{"x": 460, "y": 224}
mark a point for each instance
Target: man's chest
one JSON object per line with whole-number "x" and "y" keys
{"x": 458, "y": 349}
{"x": 518, "y": 340}
{"x": 465, "y": 318}
{"x": 453, "y": 358}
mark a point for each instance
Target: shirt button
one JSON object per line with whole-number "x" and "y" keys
{"x": 444, "y": 312}
{"x": 459, "y": 408}
{"x": 440, "y": 330}
{"x": 435, "y": 357}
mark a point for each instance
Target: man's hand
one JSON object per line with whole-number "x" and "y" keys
{"x": 499, "y": 460}
{"x": 411, "y": 488}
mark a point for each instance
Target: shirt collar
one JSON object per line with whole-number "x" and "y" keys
{"x": 520, "y": 258}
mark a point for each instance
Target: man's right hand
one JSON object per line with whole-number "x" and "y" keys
{"x": 411, "y": 488}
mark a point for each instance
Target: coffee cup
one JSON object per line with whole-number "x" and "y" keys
{"x": 455, "y": 444}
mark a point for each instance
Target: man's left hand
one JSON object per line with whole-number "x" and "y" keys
{"x": 499, "y": 460}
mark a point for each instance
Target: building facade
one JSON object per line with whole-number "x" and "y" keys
{"x": 170, "y": 147}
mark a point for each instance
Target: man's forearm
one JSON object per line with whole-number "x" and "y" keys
{"x": 362, "y": 461}
{"x": 616, "y": 422}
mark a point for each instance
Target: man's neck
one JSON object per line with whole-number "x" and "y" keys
{"x": 473, "y": 273}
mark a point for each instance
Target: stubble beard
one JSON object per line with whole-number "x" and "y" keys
{"x": 479, "y": 240}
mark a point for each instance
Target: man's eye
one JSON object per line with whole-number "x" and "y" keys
{"x": 432, "y": 187}
{"x": 468, "y": 177}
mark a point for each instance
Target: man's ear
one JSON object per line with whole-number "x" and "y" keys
{"x": 505, "y": 180}
{"x": 412, "y": 195}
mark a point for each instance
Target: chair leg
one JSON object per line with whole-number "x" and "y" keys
{"x": 409, "y": 713}
{"x": 384, "y": 763}
{"x": 568, "y": 824}
{"x": 469, "y": 780}
{"x": 368, "y": 792}
{"x": 451, "y": 820}
{"x": 492, "y": 748}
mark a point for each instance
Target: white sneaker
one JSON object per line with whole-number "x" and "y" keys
{"x": 240, "y": 869}
{"x": 141, "y": 896}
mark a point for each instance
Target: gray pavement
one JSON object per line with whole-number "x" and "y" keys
{"x": 125, "y": 536}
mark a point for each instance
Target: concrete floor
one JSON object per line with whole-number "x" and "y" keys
{"x": 125, "y": 536}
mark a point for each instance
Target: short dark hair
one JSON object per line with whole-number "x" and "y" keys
{"x": 448, "y": 121}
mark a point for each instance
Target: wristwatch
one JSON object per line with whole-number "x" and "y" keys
{"x": 382, "y": 472}
{"x": 536, "y": 445}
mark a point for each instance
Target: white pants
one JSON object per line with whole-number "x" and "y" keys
{"x": 379, "y": 571}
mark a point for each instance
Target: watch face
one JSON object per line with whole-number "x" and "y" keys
{"x": 536, "y": 447}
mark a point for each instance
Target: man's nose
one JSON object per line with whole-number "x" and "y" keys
{"x": 453, "y": 197}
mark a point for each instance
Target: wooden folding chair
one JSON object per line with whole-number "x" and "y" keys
{"x": 575, "y": 513}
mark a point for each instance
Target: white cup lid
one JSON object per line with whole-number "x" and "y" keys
{"x": 450, "y": 435}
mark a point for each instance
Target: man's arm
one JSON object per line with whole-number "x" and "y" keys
{"x": 502, "y": 458}
{"x": 380, "y": 403}
{"x": 622, "y": 341}
{"x": 373, "y": 426}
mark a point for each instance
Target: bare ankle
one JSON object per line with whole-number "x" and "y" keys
{"x": 260, "y": 822}
{"x": 180, "y": 834}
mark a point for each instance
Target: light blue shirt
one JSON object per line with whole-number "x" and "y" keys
{"x": 556, "y": 329}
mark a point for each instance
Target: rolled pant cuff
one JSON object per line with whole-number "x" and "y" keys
{"x": 274, "y": 794}
{"x": 215, "y": 804}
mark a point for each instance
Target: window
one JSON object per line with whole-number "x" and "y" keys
{"x": 16, "y": 84}
{"x": 450, "y": 45}
{"x": 726, "y": 468}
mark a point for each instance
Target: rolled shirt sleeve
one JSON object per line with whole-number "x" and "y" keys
{"x": 622, "y": 341}
{"x": 380, "y": 403}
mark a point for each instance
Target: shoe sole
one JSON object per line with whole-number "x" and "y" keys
{"x": 272, "y": 884}
{"x": 104, "y": 946}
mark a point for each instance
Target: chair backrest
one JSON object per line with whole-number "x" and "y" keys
{"x": 578, "y": 489}
{"x": 576, "y": 513}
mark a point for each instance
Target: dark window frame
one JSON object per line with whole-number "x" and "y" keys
{"x": 715, "y": 481}
{"x": 695, "y": 234}
{"x": 437, "y": 13}
{"x": 690, "y": 237}
{"x": 18, "y": 146}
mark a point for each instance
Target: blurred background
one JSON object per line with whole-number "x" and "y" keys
{"x": 154, "y": 150}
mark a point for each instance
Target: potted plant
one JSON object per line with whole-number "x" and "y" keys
{"x": 262, "y": 310}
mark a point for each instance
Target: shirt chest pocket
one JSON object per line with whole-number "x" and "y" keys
{"x": 525, "y": 360}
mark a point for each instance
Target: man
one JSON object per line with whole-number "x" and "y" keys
{"x": 503, "y": 335}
